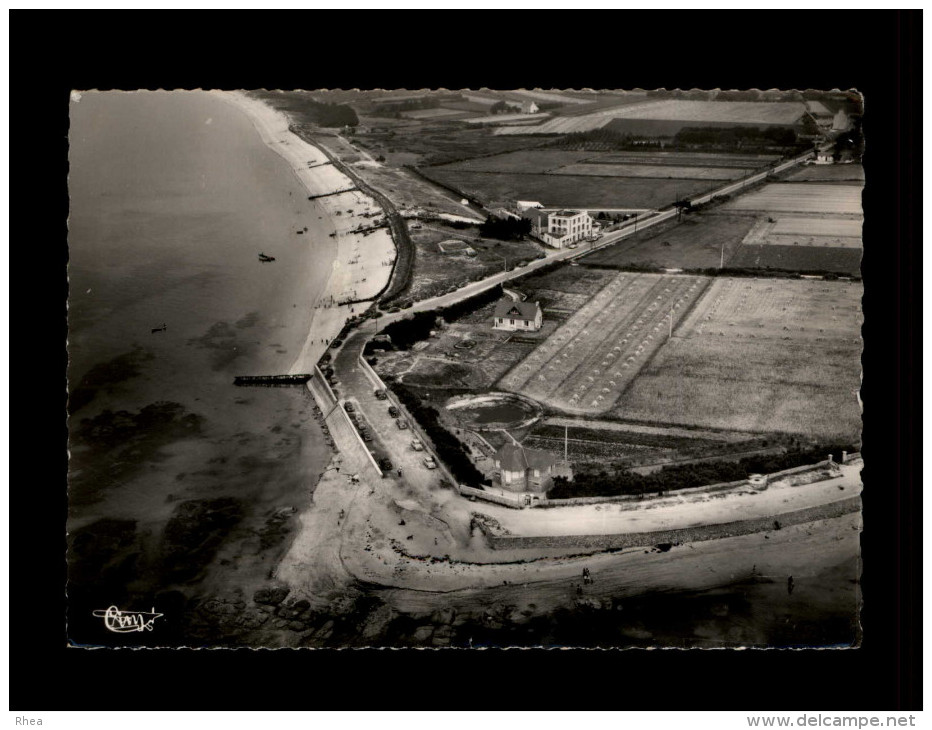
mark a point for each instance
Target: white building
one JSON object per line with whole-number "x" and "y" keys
{"x": 517, "y": 316}
{"x": 559, "y": 228}
{"x": 525, "y": 204}
{"x": 529, "y": 107}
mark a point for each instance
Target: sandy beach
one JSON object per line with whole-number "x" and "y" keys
{"x": 363, "y": 263}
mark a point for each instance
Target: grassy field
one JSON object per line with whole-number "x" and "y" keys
{"x": 828, "y": 173}
{"x": 434, "y": 144}
{"x": 677, "y": 110}
{"x": 802, "y": 198}
{"x": 439, "y": 113}
{"x": 590, "y": 359}
{"x": 695, "y": 243}
{"x": 436, "y": 272}
{"x": 835, "y": 259}
{"x": 655, "y": 171}
{"x": 759, "y": 355}
{"x": 679, "y": 159}
{"x": 524, "y": 161}
{"x": 826, "y": 227}
{"x": 574, "y": 191}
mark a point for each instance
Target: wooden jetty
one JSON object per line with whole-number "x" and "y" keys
{"x": 272, "y": 381}
{"x": 335, "y": 192}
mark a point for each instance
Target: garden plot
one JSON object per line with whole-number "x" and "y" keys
{"x": 801, "y": 198}
{"x": 590, "y": 359}
{"x": 759, "y": 355}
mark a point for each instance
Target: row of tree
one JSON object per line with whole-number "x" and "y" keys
{"x": 449, "y": 448}
{"x": 406, "y": 332}
{"x": 505, "y": 229}
{"x": 733, "y": 136}
{"x": 684, "y": 476}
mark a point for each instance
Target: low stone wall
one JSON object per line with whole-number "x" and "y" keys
{"x": 320, "y": 385}
{"x": 491, "y": 497}
{"x": 678, "y": 536}
{"x": 721, "y": 487}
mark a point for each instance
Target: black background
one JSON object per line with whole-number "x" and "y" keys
{"x": 877, "y": 53}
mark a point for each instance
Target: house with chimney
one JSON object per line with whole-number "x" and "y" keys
{"x": 520, "y": 469}
{"x": 517, "y": 316}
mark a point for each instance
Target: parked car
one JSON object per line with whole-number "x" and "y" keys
{"x": 430, "y": 463}
{"x": 393, "y": 412}
{"x": 385, "y": 464}
{"x": 380, "y": 394}
{"x": 401, "y": 423}
{"x": 365, "y": 437}
{"x": 349, "y": 407}
{"x": 417, "y": 445}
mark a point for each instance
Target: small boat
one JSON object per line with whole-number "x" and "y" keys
{"x": 263, "y": 258}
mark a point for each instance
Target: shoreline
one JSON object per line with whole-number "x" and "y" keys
{"x": 361, "y": 266}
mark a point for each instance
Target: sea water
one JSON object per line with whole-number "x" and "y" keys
{"x": 172, "y": 197}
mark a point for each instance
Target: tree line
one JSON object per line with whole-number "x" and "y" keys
{"x": 685, "y": 476}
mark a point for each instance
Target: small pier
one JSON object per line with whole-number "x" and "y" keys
{"x": 272, "y": 381}
{"x": 335, "y": 192}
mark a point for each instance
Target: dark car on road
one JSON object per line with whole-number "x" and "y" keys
{"x": 380, "y": 394}
{"x": 349, "y": 407}
{"x": 385, "y": 464}
{"x": 393, "y": 412}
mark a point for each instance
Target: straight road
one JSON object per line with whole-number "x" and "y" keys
{"x": 477, "y": 287}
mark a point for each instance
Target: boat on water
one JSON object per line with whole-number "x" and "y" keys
{"x": 264, "y": 259}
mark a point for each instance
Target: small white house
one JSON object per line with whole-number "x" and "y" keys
{"x": 529, "y": 107}
{"x": 518, "y": 469}
{"x": 525, "y": 204}
{"x": 517, "y": 316}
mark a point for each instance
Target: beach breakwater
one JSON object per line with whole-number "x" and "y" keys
{"x": 363, "y": 264}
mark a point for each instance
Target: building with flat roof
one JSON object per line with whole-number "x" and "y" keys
{"x": 559, "y": 228}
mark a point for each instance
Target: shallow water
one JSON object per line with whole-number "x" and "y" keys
{"x": 173, "y": 195}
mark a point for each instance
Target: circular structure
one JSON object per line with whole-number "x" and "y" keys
{"x": 494, "y": 411}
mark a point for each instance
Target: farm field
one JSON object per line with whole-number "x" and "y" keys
{"x": 694, "y": 243}
{"x": 834, "y": 259}
{"x": 433, "y": 144}
{"x": 654, "y": 171}
{"x": 828, "y": 173}
{"x": 524, "y": 161}
{"x": 438, "y": 113}
{"x": 698, "y": 159}
{"x": 801, "y": 198}
{"x": 843, "y": 227}
{"x": 694, "y": 113}
{"x": 759, "y": 355}
{"x": 590, "y": 359}
{"x": 572, "y": 191}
